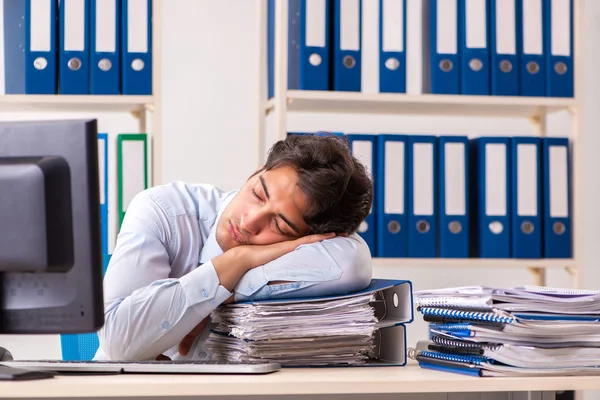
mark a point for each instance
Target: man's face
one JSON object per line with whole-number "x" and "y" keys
{"x": 268, "y": 209}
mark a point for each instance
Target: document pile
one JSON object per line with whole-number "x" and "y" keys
{"x": 522, "y": 331}
{"x": 354, "y": 329}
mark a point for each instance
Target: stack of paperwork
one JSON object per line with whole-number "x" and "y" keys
{"x": 353, "y": 329}
{"x": 529, "y": 330}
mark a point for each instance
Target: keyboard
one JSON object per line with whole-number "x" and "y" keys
{"x": 146, "y": 367}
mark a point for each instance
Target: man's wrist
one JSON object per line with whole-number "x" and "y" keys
{"x": 237, "y": 259}
{"x": 230, "y": 266}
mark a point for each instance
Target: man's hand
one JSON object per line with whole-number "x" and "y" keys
{"x": 186, "y": 343}
{"x": 256, "y": 255}
{"x": 234, "y": 263}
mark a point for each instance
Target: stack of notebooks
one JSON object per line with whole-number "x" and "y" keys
{"x": 523, "y": 331}
{"x": 357, "y": 329}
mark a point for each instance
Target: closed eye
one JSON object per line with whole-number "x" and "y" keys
{"x": 281, "y": 231}
{"x": 256, "y": 195}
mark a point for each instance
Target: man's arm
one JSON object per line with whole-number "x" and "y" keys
{"x": 333, "y": 266}
{"x": 146, "y": 313}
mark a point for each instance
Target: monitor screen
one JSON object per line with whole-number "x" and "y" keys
{"x": 50, "y": 255}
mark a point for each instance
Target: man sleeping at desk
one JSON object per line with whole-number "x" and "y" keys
{"x": 183, "y": 249}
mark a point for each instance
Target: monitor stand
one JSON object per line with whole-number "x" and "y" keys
{"x": 11, "y": 373}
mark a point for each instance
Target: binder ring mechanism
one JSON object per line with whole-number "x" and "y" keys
{"x": 496, "y": 227}
{"x": 476, "y": 64}
{"x": 74, "y": 64}
{"x": 137, "y": 64}
{"x": 533, "y": 67}
{"x": 392, "y": 63}
{"x": 349, "y": 62}
{"x": 558, "y": 228}
{"x": 505, "y": 66}
{"x": 104, "y": 64}
{"x": 455, "y": 227}
{"x": 314, "y": 59}
{"x": 394, "y": 227}
{"x": 40, "y": 63}
{"x": 560, "y": 68}
{"x": 527, "y": 227}
{"x": 362, "y": 228}
{"x": 422, "y": 226}
{"x": 446, "y": 65}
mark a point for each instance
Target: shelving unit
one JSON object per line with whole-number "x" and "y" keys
{"x": 424, "y": 104}
{"x": 144, "y": 108}
{"x": 534, "y": 109}
{"x": 116, "y": 103}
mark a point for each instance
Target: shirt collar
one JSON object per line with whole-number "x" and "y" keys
{"x": 211, "y": 247}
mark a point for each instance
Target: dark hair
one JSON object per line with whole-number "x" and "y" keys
{"x": 337, "y": 184}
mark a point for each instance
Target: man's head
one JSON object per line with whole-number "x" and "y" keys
{"x": 309, "y": 184}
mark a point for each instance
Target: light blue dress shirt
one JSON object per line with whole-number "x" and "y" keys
{"x": 161, "y": 282}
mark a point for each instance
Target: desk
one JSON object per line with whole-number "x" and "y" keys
{"x": 344, "y": 381}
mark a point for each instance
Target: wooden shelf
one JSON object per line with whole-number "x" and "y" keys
{"x": 288, "y": 381}
{"x": 425, "y": 104}
{"x": 94, "y": 103}
{"x": 473, "y": 262}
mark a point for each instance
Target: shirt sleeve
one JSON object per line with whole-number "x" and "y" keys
{"x": 147, "y": 313}
{"x": 334, "y": 266}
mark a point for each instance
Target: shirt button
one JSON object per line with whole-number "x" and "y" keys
{"x": 251, "y": 287}
{"x": 204, "y": 293}
{"x": 165, "y": 325}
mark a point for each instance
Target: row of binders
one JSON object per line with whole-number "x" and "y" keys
{"x": 460, "y": 197}
{"x": 520, "y": 331}
{"x": 132, "y": 178}
{"x": 361, "y": 328}
{"x": 76, "y": 47}
{"x": 470, "y": 47}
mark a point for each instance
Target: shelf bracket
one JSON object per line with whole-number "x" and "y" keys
{"x": 535, "y": 119}
{"x": 137, "y": 114}
{"x": 572, "y": 271}
{"x": 539, "y": 275}
{"x": 539, "y": 123}
{"x": 140, "y": 115}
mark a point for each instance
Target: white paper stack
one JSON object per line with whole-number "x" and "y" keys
{"x": 329, "y": 332}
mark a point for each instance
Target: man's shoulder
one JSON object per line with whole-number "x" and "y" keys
{"x": 180, "y": 197}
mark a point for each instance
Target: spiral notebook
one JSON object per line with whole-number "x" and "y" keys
{"x": 526, "y": 299}
{"x": 529, "y": 330}
{"x": 514, "y": 355}
{"x": 484, "y": 367}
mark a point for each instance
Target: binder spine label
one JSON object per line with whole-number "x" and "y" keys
{"x": 40, "y": 25}
{"x": 532, "y": 27}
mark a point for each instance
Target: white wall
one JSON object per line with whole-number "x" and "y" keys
{"x": 209, "y": 135}
{"x": 209, "y": 81}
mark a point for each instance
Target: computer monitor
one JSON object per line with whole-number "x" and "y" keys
{"x": 50, "y": 257}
